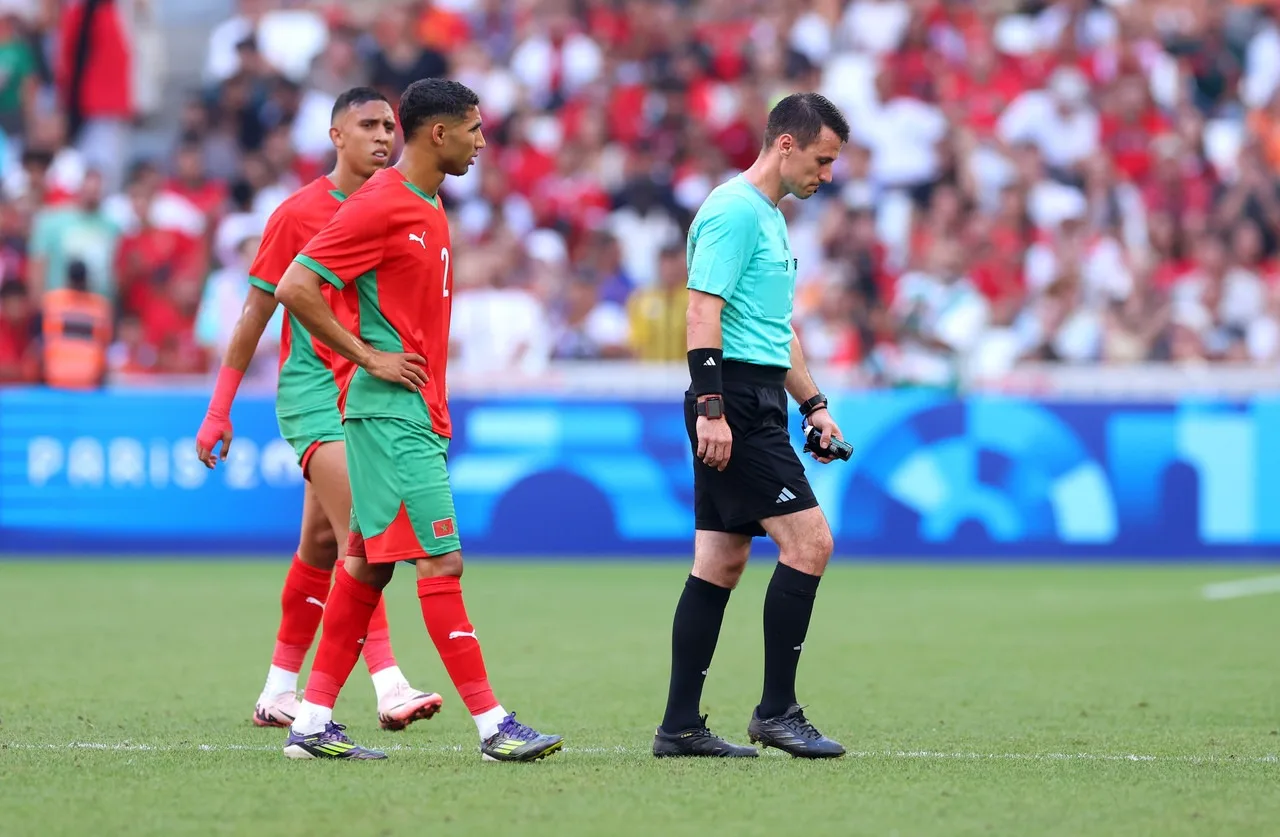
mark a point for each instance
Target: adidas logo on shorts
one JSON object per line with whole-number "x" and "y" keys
{"x": 786, "y": 496}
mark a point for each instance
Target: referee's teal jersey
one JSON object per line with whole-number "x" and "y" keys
{"x": 738, "y": 250}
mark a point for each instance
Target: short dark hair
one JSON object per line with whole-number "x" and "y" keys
{"x": 242, "y": 194}
{"x": 355, "y": 97}
{"x": 140, "y": 171}
{"x": 77, "y": 275}
{"x": 431, "y": 97}
{"x": 803, "y": 115}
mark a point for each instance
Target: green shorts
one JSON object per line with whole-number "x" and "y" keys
{"x": 307, "y": 431}
{"x": 400, "y": 497}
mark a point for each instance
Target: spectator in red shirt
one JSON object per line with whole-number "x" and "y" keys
{"x": 169, "y": 322}
{"x": 571, "y": 197}
{"x": 1176, "y": 182}
{"x": 1129, "y": 126}
{"x": 148, "y": 257}
{"x": 726, "y": 36}
{"x": 1165, "y": 243}
{"x": 15, "y": 231}
{"x": 94, "y": 75}
{"x": 192, "y": 182}
{"x": 524, "y": 162}
{"x": 19, "y": 359}
{"x": 976, "y": 94}
{"x": 915, "y": 65}
{"x": 1011, "y": 230}
{"x": 995, "y": 268}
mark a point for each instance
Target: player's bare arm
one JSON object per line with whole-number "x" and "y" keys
{"x": 259, "y": 306}
{"x": 299, "y": 292}
{"x": 801, "y": 387}
{"x": 706, "y": 357}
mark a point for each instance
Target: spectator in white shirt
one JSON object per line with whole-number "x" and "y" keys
{"x": 642, "y": 227}
{"x": 499, "y": 324}
{"x": 903, "y": 134}
{"x": 556, "y": 62}
{"x": 941, "y": 318}
{"x": 588, "y": 327}
{"x": 1059, "y": 121}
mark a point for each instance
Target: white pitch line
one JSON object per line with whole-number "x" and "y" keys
{"x": 1259, "y": 586}
{"x": 922, "y": 755}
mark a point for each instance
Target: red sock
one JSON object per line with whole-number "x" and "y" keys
{"x": 446, "y": 616}
{"x": 300, "y": 615}
{"x": 377, "y": 645}
{"x": 346, "y": 622}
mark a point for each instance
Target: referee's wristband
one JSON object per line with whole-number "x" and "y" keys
{"x": 812, "y": 405}
{"x": 704, "y": 371}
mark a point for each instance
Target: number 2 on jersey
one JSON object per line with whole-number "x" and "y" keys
{"x": 444, "y": 257}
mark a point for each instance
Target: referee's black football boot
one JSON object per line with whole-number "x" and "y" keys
{"x": 698, "y": 741}
{"x": 792, "y": 733}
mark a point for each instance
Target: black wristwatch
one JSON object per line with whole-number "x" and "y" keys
{"x": 712, "y": 407}
{"x": 817, "y": 402}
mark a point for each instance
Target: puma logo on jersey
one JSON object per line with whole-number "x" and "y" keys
{"x": 421, "y": 239}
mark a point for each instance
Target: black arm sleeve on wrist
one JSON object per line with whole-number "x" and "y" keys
{"x": 704, "y": 371}
{"x": 813, "y": 404}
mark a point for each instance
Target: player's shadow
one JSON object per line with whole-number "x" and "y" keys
{"x": 558, "y": 510}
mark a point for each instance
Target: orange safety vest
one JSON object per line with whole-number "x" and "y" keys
{"x": 77, "y": 331}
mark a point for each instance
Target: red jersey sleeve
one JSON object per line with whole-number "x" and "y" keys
{"x": 350, "y": 245}
{"x": 280, "y": 243}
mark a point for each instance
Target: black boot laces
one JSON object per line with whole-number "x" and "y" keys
{"x": 798, "y": 723}
{"x": 702, "y": 731}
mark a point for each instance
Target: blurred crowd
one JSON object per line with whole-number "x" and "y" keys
{"x": 1085, "y": 181}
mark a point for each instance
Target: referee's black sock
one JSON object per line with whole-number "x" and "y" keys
{"x": 788, "y": 604}
{"x": 694, "y": 633}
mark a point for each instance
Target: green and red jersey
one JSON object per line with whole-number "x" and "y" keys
{"x": 309, "y": 370}
{"x": 391, "y": 240}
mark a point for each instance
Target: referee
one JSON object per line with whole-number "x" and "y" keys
{"x": 744, "y": 358}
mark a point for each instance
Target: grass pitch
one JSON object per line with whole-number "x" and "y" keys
{"x": 1020, "y": 701}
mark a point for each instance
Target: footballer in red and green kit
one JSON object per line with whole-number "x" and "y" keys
{"x": 390, "y": 241}
{"x": 308, "y": 390}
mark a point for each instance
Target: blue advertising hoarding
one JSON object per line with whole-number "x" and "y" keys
{"x": 931, "y": 477}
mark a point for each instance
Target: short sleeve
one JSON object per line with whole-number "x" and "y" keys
{"x": 281, "y": 241}
{"x": 351, "y": 244}
{"x": 723, "y": 243}
{"x": 1020, "y": 121}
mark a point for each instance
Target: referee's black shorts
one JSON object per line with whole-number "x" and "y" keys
{"x": 765, "y": 477}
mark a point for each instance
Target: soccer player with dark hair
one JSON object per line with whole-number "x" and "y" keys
{"x": 391, "y": 241}
{"x": 744, "y": 358}
{"x": 362, "y": 130}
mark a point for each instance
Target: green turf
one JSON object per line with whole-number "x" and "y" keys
{"x": 955, "y": 687}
